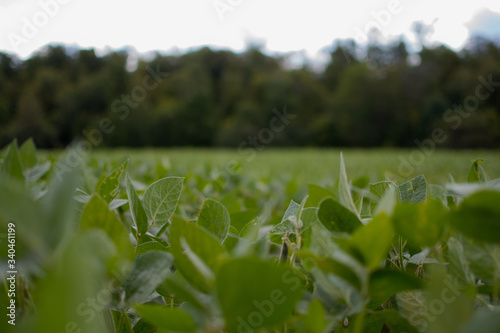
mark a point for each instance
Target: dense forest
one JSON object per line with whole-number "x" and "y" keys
{"x": 374, "y": 95}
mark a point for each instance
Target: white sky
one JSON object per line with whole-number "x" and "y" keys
{"x": 284, "y": 25}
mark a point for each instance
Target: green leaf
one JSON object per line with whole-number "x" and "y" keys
{"x": 203, "y": 244}
{"x": 414, "y": 190}
{"x": 476, "y": 172}
{"x": 386, "y": 283}
{"x": 136, "y": 209}
{"x": 421, "y": 224}
{"x": 161, "y": 198}
{"x": 372, "y": 241}
{"x": 458, "y": 262}
{"x": 248, "y": 305}
{"x": 12, "y": 165}
{"x": 121, "y": 322}
{"x": 315, "y": 319}
{"x": 150, "y": 270}
{"x": 336, "y": 217}
{"x": 27, "y": 153}
{"x": 166, "y": 318}
{"x": 379, "y": 189}
{"x": 241, "y": 219}
{"x": 395, "y": 322}
{"x": 345, "y": 197}
{"x": 109, "y": 188}
{"x": 484, "y": 261}
{"x": 96, "y": 215}
{"x": 215, "y": 218}
{"x": 143, "y": 326}
{"x": 316, "y": 195}
{"x": 76, "y": 274}
{"x": 478, "y": 216}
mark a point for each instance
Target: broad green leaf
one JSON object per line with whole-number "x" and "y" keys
{"x": 421, "y": 224}
{"x": 330, "y": 265}
{"x": 483, "y": 260}
{"x": 241, "y": 219}
{"x": 121, "y": 322}
{"x": 478, "y": 216}
{"x": 455, "y": 303}
{"x": 161, "y": 198}
{"x": 166, "y": 318}
{"x": 316, "y": 195}
{"x": 203, "y": 244}
{"x": 476, "y": 172}
{"x": 77, "y": 276}
{"x": 248, "y": 305}
{"x": 372, "y": 241}
{"x": 215, "y": 218}
{"x": 150, "y": 270}
{"x": 143, "y": 326}
{"x": 109, "y": 188}
{"x": 345, "y": 197}
{"x": 151, "y": 246}
{"x": 97, "y": 215}
{"x": 379, "y": 189}
{"x": 27, "y": 153}
{"x": 386, "y": 283}
{"x": 61, "y": 188}
{"x": 12, "y": 166}
{"x": 414, "y": 190}
{"x": 395, "y": 322}
{"x": 458, "y": 262}
{"x": 314, "y": 321}
{"x": 412, "y": 305}
{"x": 309, "y": 217}
{"x": 388, "y": 201}
{"x": 136, "y": 209}
{"x": 336, "y": 217}
{"x": 178, "y": 286}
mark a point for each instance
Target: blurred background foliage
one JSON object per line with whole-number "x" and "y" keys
{"x": 366, "y": 96}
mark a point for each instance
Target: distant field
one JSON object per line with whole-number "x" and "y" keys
{"x": 317, "y": 166}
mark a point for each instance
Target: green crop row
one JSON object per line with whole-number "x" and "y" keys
{"x": 87, "y": 248}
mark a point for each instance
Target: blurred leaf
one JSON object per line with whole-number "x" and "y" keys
{"x": 203, "y": 244}
{"x": 478, "y": 216}
{"x": 27, "y": 153}
{"x": 459, "y": 263}
{"x": 414, "y": 190}
{"x": 372, "y": 241}
{"x": 166, "y": 318}
{"x": 395, "y": 322}
{"x": 161, "y": 197}
{"x": 386, "y": 283}
{"x": 122, "y": 322}
{"x": 109, "y": 188}
{"x": 97, "y": 215}
{"x": 476, "y": 172}
{"x": 484, "y": 321}
{"x": 247, "y": 305}
{"x": 316, "y": 195}
{"x": 215, "y": 218}
{"x": 136, "y": 209}
{"x": 11, "y": 166}
{"x": 421, "y": 224}
{"x": 345, "y": 197}
{"x": 314, "y": 321}
{"x": 336, "y": 217}
{"x": 150, "y": 270}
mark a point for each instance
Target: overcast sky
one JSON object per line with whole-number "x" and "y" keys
{"x": 283, "y": 25}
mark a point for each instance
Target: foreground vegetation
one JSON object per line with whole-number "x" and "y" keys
{"x": 107, "y": 244}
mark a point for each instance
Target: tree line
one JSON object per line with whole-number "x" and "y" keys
{"x": 366, "y": 96}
